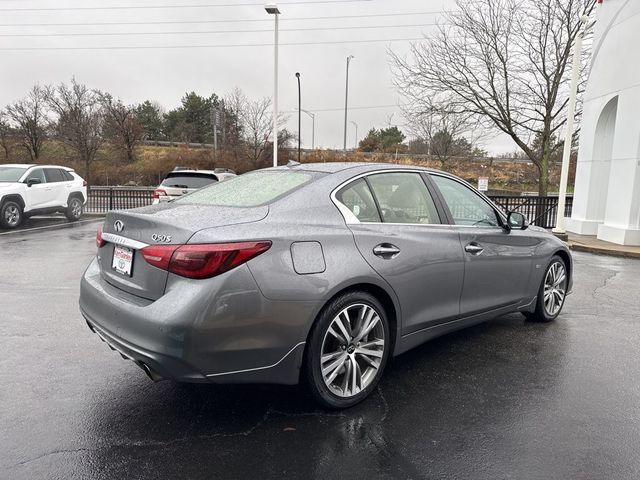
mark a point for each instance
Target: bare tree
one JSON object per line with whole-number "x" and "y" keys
{"x": 29, "y": 116}
{"x": 257, "y": 123}
{"x": 505, "y": 62}
{"x": 122, "y": 124}
{"x": 80, "y": 120}
{"x": 235, "y": 104}
{"x": 5, "y": 136}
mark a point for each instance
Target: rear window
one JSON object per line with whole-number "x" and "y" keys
{"x": 249, "y": 190}
{"x": 188, "y": 180}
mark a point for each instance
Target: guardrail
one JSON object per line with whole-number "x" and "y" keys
{"x": 540, "y": 211}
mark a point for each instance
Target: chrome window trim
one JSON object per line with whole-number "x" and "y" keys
{"x": 351, "y": 219}
{"x": 124, "y": 241}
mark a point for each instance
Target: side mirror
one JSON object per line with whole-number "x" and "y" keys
{"x": 517, "y": 221}
{"x": 32, "y": 181}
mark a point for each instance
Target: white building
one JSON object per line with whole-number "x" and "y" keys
{"x": 607, "y": 191}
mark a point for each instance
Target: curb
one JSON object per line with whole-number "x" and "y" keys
{"x": 602, "y": 251}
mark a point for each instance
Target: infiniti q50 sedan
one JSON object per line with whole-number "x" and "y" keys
{"x": 314, "y": 273}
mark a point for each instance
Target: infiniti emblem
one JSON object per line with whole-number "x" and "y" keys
{"x": 118, "y": 226}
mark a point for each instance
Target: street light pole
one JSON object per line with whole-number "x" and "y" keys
{"x": 559, "y": 230}
{"x": 313, "y": 128}
{"x": 355, "y": 145}
{"x": 272, "y": 9}
{"x": 299, "y": 115}
{"x": 346, "y": 98}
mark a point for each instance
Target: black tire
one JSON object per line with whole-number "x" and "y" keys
{"x": 11, "y": 214}
{"x": 542, "y": 312}
{"x": 355, "y": 303}
{"x": 74, "y": 209}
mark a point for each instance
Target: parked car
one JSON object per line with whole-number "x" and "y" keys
{"x": 27, "y": 190}
{"x": 182, "y": 181}
{"x": 313, "y": 272}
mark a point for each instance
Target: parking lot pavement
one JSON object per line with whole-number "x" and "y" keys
{"x": 507, "y": 399}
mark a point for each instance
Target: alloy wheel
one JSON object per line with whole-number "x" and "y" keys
{"x": 352, "y": 350}
{"x": 76, "y": 209}
{"x": 555, "y": 287}
{"x": 12, "y": 215}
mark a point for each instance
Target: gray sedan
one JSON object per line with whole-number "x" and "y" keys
{"x": 316, "y": 273}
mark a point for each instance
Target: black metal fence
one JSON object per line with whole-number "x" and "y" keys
{"x": 540, "y": 211}
{"x": 103, "y": 199}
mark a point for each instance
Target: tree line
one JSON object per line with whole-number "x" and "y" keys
{"x": 83, "y": 120}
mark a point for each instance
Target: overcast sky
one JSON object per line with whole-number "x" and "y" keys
{"x": 165, "y": 74}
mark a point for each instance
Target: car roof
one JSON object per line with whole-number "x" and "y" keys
{"x": 31, "y": 165}
{"x": 356, "y": 167}
{"x": 204, "y": 172}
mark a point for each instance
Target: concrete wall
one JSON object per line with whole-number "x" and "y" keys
{"x": 607, "y": 190}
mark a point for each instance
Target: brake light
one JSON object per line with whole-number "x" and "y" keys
{"x": 99, "y": 241}
{"x": 158, "y": 192}
{"x": 84, "y": 183}
{"x": 202, "y": 260}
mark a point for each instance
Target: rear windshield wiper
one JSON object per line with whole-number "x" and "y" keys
{"x": 179, "y": 186}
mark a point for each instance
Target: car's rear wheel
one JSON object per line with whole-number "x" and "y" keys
{"x": 552, "y": 292}
{"x": 11, "y": 214}
{"x": 348, "y": 350}
{"x": 74, "y": 209}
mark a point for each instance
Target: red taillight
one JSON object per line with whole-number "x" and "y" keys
{"x": 158, "y": 192}
{"x": 84, "y": 183}
{"x": 202, "y": 261}
{"x": 99, "y": 241}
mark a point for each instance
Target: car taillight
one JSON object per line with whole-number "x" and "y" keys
{"x": 99, "y": 241}
{"x": 158, "y": 192}
{"x": 202, "y": 260}
{"x": 84, "y": 183}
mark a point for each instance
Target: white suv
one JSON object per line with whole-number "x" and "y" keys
{"x": 182, "y": 181}
{"x": 27, "y": 190}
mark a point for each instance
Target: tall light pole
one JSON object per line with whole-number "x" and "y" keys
{"x": 272, "y": 9}
{"x": 299, "y": 114}
{"x": 346, "y": 98}
{"x": 355, "y": 145}
{"x": 568, "y": 136}
{"x": 313, "y": 128}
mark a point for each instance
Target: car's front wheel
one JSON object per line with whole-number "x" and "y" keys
{"x": 11, "y": 214}
{"x": 348, "y": 350}
{"x": 552, "y": 292}
{"x": 74, "y": 209}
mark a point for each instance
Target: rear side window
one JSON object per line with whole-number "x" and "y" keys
{"x": 54, "y": 175}
{"x": 68, "y": 177}
{"x": 249, "y": 190}
{"x": 357, "y": 198}
{"x": 188, "y": 180}
{"x": 403, "y": 198}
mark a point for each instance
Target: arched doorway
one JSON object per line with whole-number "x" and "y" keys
{"x": 601, "y": 161}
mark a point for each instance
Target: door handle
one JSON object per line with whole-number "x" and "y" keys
{"x": 386, "y": 250}
{"x": 473, "y": 248}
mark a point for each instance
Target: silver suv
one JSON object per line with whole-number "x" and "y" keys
{"x": 27, "y": 190}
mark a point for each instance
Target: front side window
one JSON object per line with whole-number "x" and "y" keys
{"x": 37, "y": 173}
{"x": 357, "y": 198}
{"x": 249, "y": 190}
{"x": 466, "y": 206}
{"x": 403, "y": 198}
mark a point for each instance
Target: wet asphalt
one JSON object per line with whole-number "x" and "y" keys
{"x": 504, "y": 400}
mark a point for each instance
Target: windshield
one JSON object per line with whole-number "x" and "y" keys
{"x": 11, "y": 174}
{"x": 249, "y": 190}
{"x": 188, "y": 180}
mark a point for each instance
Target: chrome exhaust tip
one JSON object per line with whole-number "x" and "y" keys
{"x": 150, "y": 373}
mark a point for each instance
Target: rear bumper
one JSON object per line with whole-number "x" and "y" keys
{"x": 219, "y": 330}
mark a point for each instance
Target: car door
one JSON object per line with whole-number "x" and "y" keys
{"x": 39, "y": 194}
{"x": 398, "y": 230}
{"x": 497, "y": 261}
{"x": 60, "y": 186}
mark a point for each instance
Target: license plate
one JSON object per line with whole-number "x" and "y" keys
{"x": 122, "y": 260}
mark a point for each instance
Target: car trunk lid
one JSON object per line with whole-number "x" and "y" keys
{"x": 126, "y": 232}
